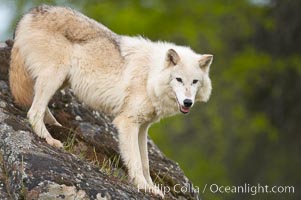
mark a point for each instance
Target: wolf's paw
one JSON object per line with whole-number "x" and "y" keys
{"x": 53, "y": 142}
{"x": 150, "y": 188}
{"x": 52, "y": 121}
{"x": 57, "y": 124}
{"x": 155, "y": 190}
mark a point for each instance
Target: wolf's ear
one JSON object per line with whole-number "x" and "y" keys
{"x": 172, "y": 58}
{"x": 205, "y": 62}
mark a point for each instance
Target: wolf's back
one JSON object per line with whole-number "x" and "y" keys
{"x": 68, "y": 23}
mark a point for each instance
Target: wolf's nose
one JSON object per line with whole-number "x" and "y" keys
{"x": 187, "y": 102}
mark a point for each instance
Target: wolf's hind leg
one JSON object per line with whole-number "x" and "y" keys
{"x": 50, "y": 119}
{"x": 45, "y": 86}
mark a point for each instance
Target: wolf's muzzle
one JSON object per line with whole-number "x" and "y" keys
{"x": 187, "y": 103}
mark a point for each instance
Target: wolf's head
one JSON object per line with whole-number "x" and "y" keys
{"x": 189, "y": 77}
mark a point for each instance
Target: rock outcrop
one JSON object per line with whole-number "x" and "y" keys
{"x": 87, "y": 168}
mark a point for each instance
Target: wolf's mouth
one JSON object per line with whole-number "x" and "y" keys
{"x": 183, "y": 109}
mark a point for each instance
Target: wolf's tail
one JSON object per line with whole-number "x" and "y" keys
{"x": 21, "y": 84}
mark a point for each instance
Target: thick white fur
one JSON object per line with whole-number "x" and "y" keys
{"x": 130, "y": 78}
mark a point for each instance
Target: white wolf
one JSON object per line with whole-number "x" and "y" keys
{"x": 131, "y": 78}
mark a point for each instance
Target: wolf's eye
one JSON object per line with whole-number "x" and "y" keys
{"x": 179, "y": 80}
{"x": 194, "y": 81}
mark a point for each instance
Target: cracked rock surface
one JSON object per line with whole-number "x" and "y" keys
{"x": 87, "y": 168}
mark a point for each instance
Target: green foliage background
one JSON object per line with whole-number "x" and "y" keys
{"x": 249, "y": 131}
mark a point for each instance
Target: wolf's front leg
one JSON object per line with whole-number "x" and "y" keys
{"x": 128, "y": 131}
{"x": 129, "y": 148}
{"x": 144, "y": 153}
